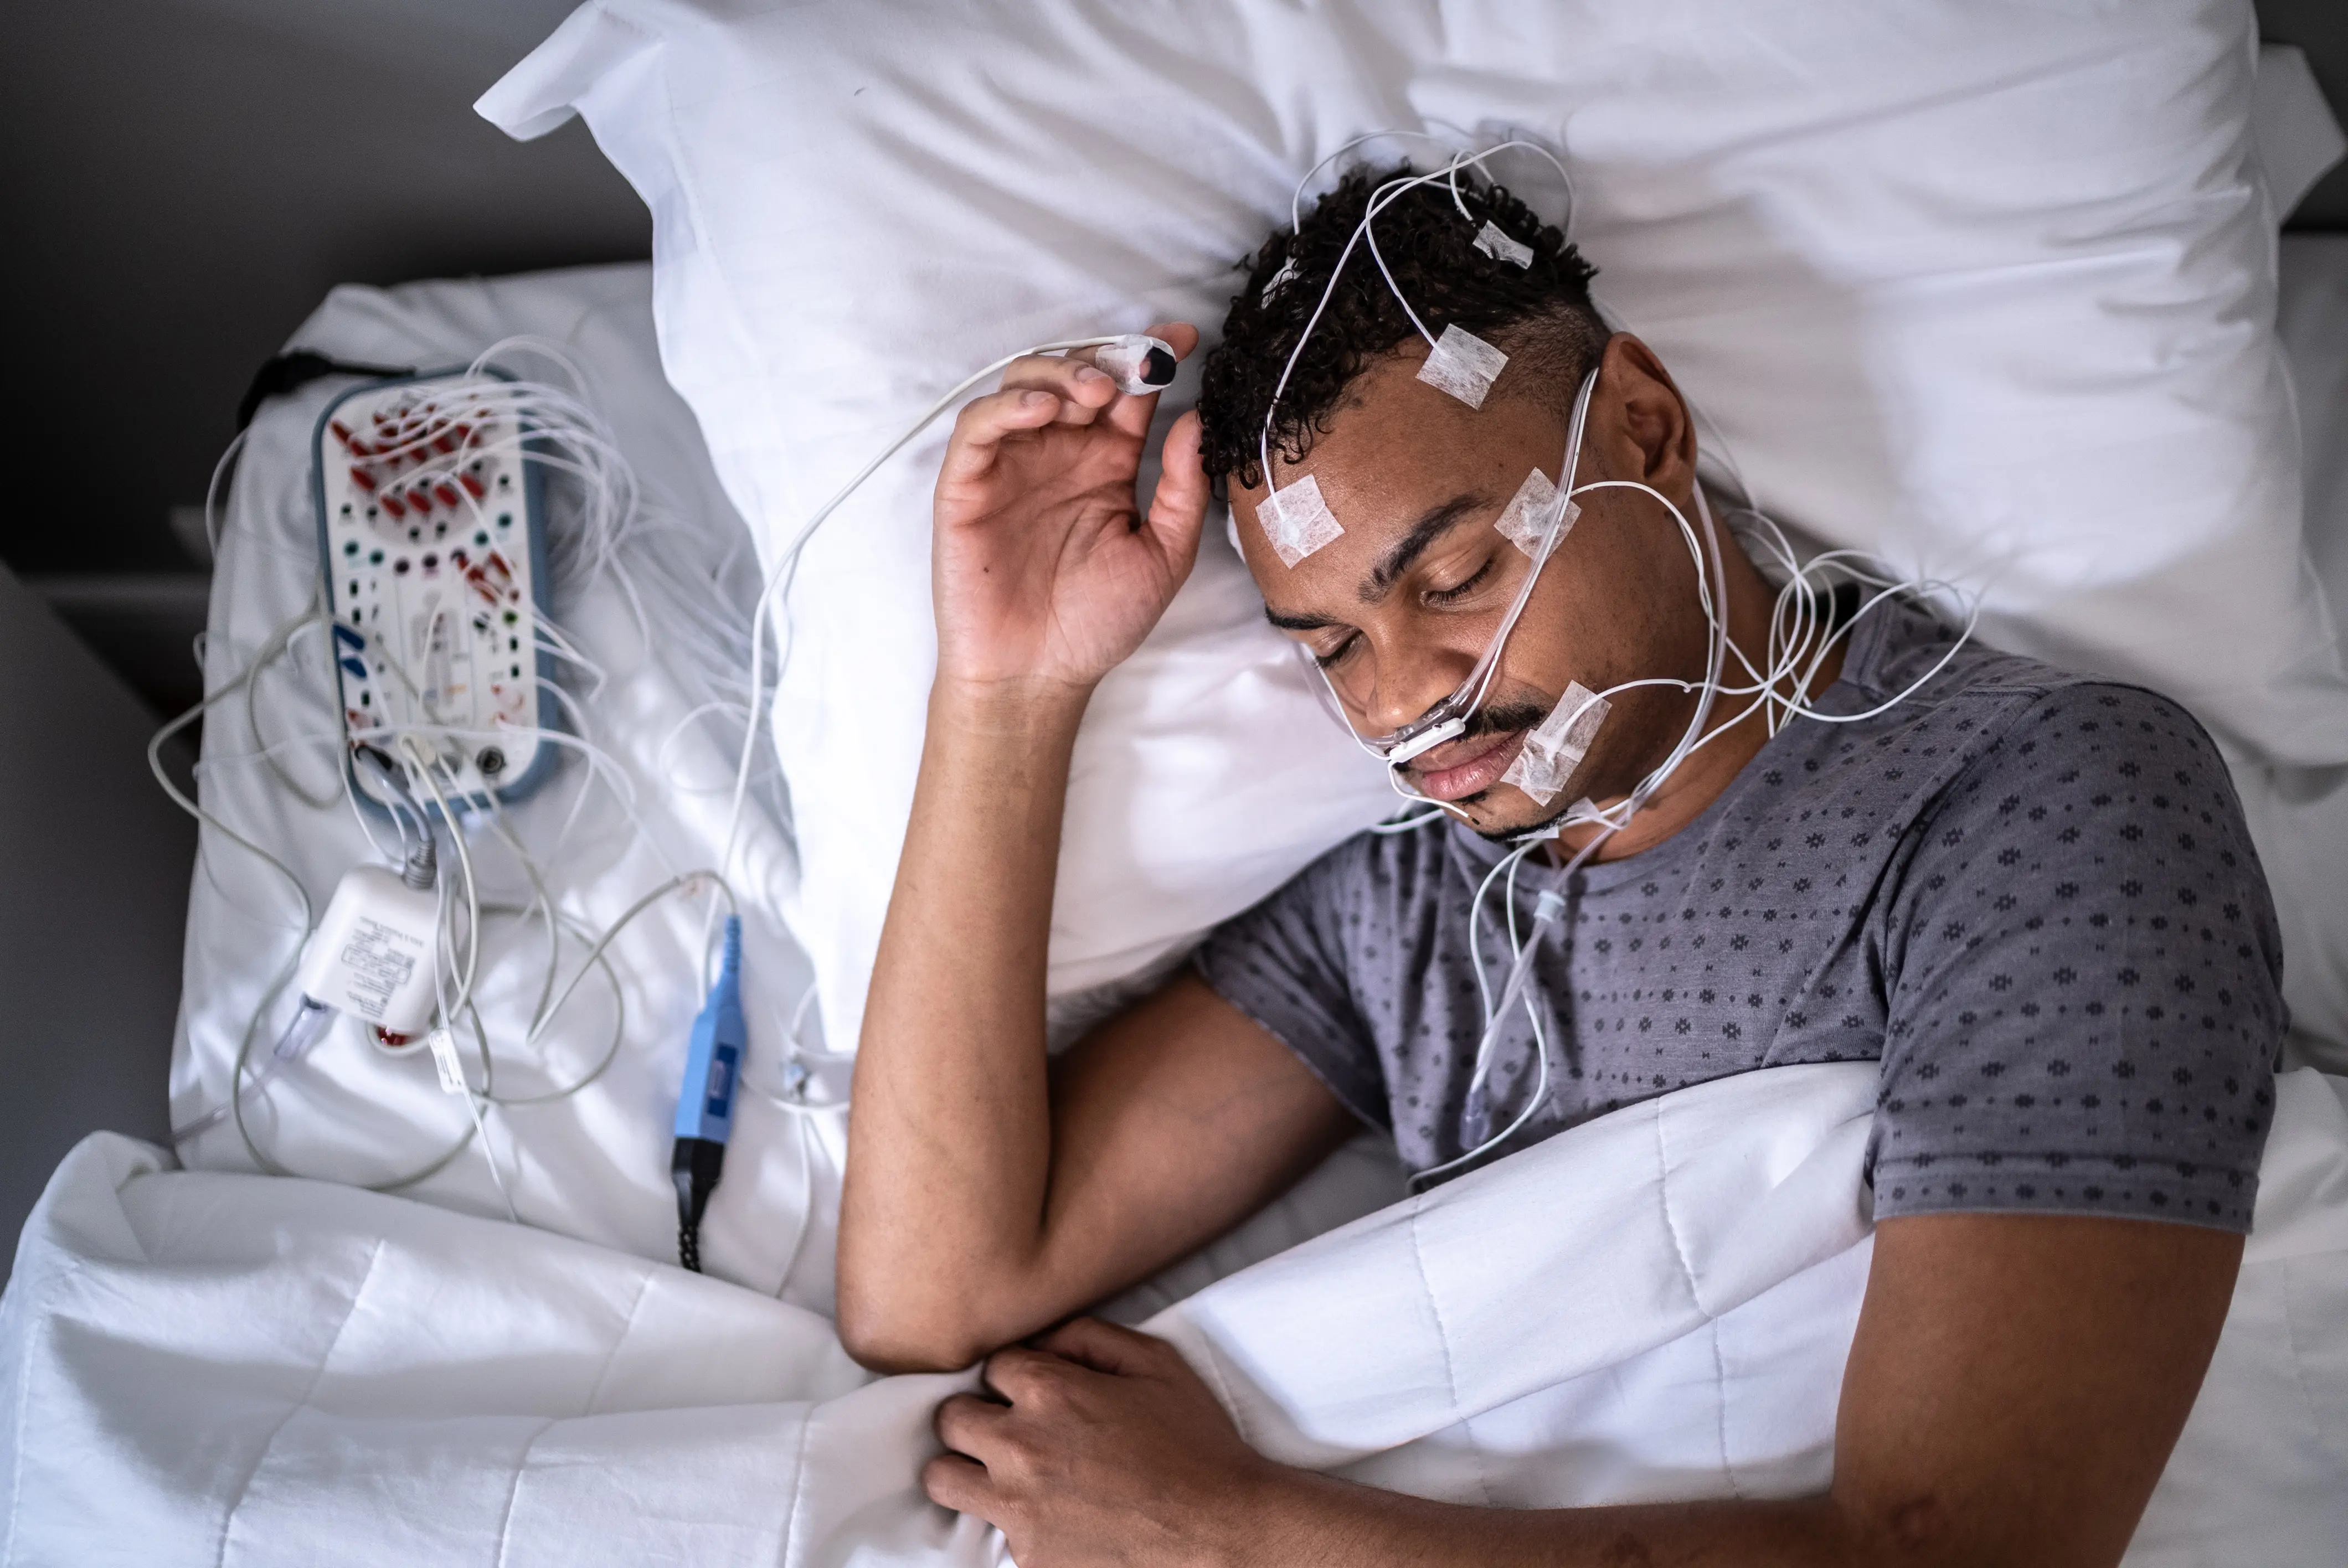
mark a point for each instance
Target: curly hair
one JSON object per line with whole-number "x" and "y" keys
{"x": 1541, "y": 315}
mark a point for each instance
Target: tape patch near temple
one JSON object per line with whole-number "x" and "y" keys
{"x": 1464, "y": 365}
{"x": 1297, "y": 520}
{"x": 1527, "y": 514}
{"x": 1499, "y": 247}
{"x": 1557, "y": 746}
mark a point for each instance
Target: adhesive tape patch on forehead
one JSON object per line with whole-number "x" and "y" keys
{"x": 1297, "y": 520}
{"x": 1556, "y": 748}
{"x": 1527, "y": 516}
{"x": 1464, "y": 365}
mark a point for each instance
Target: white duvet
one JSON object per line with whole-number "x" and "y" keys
{"x": 224, "y": 1369}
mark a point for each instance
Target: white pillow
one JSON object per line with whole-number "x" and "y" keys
{"x": 1985, "y": 288}
{"x": 2298, "y": 816}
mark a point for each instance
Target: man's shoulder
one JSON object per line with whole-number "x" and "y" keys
{"x": 1984, "y": 710}
{"x": 1907, "y": 661}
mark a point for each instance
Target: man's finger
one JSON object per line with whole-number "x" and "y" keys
{"x": 961, "y": 1485}
{"x": 1083, "y": 389}
{"x": 1022, "y": 1375}
{"x": 981, "y": 427}
{"x": 1180, "y": 336}
{"x": 968, "y": 1424}
{"x": 1178, "y": 511}
{"x": 1106, "y": 1348}
{"x": 1132, "y": 416}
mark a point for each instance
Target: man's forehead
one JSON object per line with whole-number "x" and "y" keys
{"x": 1400, "y": 475}
{"x": 1386, "y": 561}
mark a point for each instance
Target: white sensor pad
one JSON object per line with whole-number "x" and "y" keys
{"x": 1500, "y": 248}
{"x": 1464, "y": 365}
{"x": 1297, "y": 520}
{"x": 1556, "y": 748}
{"x": 1527, "y": 514}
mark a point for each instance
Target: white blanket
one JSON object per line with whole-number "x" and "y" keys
{"x": 215, "y": 1367}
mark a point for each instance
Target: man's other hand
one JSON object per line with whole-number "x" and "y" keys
{"x": 1046, "y": 573}
{"x": 1102, "y": 1446}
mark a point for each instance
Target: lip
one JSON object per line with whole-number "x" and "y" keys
{"x": 1476, "y": 763}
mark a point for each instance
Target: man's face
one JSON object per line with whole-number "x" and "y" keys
{"x": 1399, "y": 609}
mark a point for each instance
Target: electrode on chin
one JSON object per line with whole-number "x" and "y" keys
{"x": 1554, "y": 749}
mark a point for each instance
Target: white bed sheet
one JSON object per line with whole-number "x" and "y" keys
{"x": 201, "y": 1367}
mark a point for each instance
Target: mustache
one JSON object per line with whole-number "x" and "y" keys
{"x": 1503, "y": 717}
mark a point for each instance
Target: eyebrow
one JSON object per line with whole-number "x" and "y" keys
{"x": 1432, "y": 525}
{"x": 1435, "y": 522}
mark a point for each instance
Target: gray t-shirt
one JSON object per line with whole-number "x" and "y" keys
{"x": 2030, "y": 896}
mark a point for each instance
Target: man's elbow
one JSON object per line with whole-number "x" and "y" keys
{"x": 883, "y": 1336}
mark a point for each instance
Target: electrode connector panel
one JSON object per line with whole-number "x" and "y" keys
{"x": 430, "y": 524}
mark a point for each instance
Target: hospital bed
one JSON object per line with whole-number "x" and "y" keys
{"x": 410, "y": 1374}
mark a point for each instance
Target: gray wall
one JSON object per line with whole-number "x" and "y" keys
{"x": 185, "y": 178}
{"x": 94, "y": 865}
{"x": 2320, "y": 28}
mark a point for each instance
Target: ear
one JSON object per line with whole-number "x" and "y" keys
{"x": 1655, "y": 434}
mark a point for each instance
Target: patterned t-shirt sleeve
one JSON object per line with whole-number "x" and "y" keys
{"x": 2083, "y": 972}
{"x": 1282, "y": 963}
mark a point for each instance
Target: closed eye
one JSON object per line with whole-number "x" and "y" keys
{"x": 1330, "y": 660}
{"x": 1458, "y": 591}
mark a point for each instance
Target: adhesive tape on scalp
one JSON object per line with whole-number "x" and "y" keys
{"x": 1137, "y": 363}
{"x": 1556, "y": 748}
{"x": 1297, "y": 520}
{"x": 1464, "y": 365}
{"x": 1527, "y": 515}
{"x": 1496, "y": 244}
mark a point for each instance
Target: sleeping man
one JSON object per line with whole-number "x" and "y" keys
{"x": 2028, "y": 896}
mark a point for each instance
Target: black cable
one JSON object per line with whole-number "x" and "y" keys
{"x": 296, "y": 368}
{"x": 693, "y": 1165}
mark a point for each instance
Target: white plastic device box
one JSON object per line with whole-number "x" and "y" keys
{"x": 372, "y": 956}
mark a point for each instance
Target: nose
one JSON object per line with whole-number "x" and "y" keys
{"x": 1410, "y": 674}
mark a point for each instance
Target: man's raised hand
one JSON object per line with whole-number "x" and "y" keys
{"x": 1045, "y": 573}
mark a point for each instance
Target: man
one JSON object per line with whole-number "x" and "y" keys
{"x": 2029, "y": 897}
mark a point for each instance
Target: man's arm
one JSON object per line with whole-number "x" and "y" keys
{"x": 989, "y": 1193}
{"x": 2015, "y": 1389}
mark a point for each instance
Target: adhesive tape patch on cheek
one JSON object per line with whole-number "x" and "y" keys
{"x": 1464, "y": 365}
{"x": 1556, "y": 748}
{"x": 1527, "y": 513}
{"x": 1297, "y": 520}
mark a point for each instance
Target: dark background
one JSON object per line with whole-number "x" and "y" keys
{"x": 186, "y": 178}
